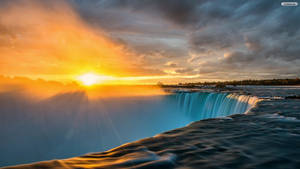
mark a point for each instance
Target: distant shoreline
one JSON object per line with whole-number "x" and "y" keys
{"x": 219, "y": 84}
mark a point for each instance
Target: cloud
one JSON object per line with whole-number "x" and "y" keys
{"x": 255, "y": 35}
{"x": 254, "y": 32}
{"x": 171, "y": 64}
{"x": 49, "y": 39}
{"x": 184, "y": 70}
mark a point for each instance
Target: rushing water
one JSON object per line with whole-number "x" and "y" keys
{"x": 204, "y": 105}
{"x": 70, "y": 124}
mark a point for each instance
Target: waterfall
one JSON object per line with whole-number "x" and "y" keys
{"x": 204, "y": 105}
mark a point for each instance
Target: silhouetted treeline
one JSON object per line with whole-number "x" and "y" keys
{"x": 269, "y": 82}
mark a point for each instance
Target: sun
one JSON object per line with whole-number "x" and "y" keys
{"x": 88, "y": 79}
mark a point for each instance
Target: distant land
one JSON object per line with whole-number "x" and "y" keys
{"x": 266, "y": 82}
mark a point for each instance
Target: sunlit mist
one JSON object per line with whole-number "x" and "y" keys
{"x": 92, "y": 85}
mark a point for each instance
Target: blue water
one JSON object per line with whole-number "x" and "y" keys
{"x": 70, "y": 124}
{"x": 204, "y": 105}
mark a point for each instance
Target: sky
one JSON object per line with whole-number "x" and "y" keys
{"x": 146, "y": 41}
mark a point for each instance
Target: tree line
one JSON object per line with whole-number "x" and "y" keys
{"x": 267, "y": 82}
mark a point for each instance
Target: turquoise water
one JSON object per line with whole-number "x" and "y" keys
{"x": 204, "y": 105}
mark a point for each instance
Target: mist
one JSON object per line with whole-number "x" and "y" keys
{"x": 70, "y": 124}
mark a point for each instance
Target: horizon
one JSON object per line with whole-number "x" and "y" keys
{"x": 79, "y": 83}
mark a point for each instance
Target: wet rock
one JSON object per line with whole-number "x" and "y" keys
{"x": 293, "y": 97}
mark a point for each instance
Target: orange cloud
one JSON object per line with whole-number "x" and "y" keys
{"x": 50, "y": 41}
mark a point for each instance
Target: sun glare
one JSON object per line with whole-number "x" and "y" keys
{"x": 90, "y": 79}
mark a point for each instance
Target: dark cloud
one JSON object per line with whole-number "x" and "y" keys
{"x": 184, "y": 70}
{"x": 178, "y": 11}
{"x": 203, "y": 40}
{"x": 171, "y": 64}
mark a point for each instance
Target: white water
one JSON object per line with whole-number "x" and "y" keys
{"x": 198, "y": 106}
{"x": 69, "y": 125}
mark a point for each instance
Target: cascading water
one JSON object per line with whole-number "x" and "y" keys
{"x": 70, "y": 124}
{"x": 204, "y": 105}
